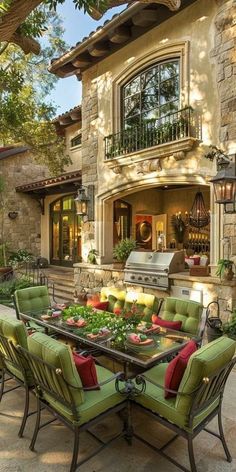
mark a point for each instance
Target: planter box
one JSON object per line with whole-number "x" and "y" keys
{"x": 201, "y": 271}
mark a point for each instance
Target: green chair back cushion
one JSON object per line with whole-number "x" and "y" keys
{"x": 188, "y": 312}
{"x": 203, "y": 363}
{"x": 15, "y": 331}
{"x": 32, "y": 299}
{"x": 145, "y": 304}
{"x": 59, "y": 355}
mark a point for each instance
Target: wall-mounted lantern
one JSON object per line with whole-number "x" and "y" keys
{"x": 225, "y": 180}
{"x": 84, "y": 202}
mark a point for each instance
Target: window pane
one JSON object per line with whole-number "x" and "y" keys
{"x": 169, "y": 69}
{"x": 150, "y": 79}
{"x": 169, "y": 90}
{"x": 132, "y": 106}
{"x": 151, "y": 115}
{"x": 132, "y": 87}
{"x": 67, "y": 203}
{"x": 57, "y": 205}
{"x": 169, "y": 108}
{"x": 150, "y": 99}
{"x": 132, "y": 122}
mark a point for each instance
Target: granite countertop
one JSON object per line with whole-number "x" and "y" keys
{"x": 207, "y": 279}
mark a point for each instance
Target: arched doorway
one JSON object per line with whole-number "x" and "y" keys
{"x": 65, "y": 232}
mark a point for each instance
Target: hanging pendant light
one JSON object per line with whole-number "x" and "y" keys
{"x": 199, "y": 216}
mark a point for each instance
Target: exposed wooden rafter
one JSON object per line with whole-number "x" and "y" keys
{"x": 145, "y": 18}
{"x": 99, "y": 49}
{"x": 83, "y": 60}
{"x": 120, "y": 35}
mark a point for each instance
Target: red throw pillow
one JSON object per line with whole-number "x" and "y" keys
{"x": 86, "y": 370}
{"x": 166, "y": 324}
{"x": 93, "y": 299}
{"x": 101, "y": 305}
{"x": 176, "y": 368}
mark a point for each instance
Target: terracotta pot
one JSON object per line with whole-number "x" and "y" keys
{"x": 118, "y": 265}
{"x": 5, "y": 272}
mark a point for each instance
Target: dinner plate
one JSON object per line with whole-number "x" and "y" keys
{"x": 140, "y": 346}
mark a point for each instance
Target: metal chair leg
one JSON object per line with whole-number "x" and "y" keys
{"x": 37, "y": 426}
{"x": 75, "y": 450}
{"x": 2, "y": 384}
{"x": 222, "y": 437}
{"x": 191, "y": 455}
{"x": 26, "y": 410}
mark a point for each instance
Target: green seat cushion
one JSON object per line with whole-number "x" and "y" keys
{"x": 153, "y": 399}
{"x": 203, "y": 363}
{"x": 32, "y": 299}
{"x": 59, "y": 355}
{"x": 96, "y": 401}
{"x": 15, "y": 331}
{"x": 188, "y": 312}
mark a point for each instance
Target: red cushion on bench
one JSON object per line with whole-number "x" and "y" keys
{"x": 101, "y": 305}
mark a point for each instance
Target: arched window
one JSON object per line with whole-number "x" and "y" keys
{"x": 151, "y": 94}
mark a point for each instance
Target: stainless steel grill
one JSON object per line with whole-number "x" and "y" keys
{"x": 151, "y": 269}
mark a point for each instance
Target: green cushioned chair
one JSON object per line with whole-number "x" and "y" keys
{"x": 187, "y": 311}
{"x": 198, "y": 399}
{"x": 13, "y": 364}
{"x": 60, "y": 390}
{"x": 31, "y": 300}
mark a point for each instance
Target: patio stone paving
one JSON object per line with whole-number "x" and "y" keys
{"x": 55, "y": 441}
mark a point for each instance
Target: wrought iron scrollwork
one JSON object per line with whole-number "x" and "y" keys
{"x": 130, "y": 387}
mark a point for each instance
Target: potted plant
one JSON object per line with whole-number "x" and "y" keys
{"x": 225, "y": 269}
{"x": 92, "y": 256}
{"x": 229, "y": 327}
{"x": 123, "y": 249}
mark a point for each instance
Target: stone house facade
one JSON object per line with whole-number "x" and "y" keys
{"x": 158, "y": 86}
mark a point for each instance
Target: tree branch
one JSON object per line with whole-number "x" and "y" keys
{"x": 27, "y": 44}
{"x": 96, "y": 14}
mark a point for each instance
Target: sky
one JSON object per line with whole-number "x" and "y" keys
{"x": 77, "y": 25}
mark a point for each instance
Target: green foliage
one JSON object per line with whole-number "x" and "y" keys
{"x": 123, "y": 249}
{"x": 96, "y": 320}
{"x": 25, "y": 83}
{"x": 8, "y": 287}
{"x": 20, "y": 257}
{"x": 222, "y": 265}
{"x": 229, "y": 328}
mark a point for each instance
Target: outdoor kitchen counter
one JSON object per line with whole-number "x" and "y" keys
{"x": 203, "y": 280}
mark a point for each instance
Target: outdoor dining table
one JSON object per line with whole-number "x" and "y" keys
{"x": 166, "y": 343}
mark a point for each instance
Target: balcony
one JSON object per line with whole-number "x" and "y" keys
{"x": 176, "y": 126}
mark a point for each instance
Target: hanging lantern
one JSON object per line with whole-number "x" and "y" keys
{"x": 199, "y": 216}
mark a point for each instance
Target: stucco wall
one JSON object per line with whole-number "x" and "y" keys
{"x": 74, "y": 152}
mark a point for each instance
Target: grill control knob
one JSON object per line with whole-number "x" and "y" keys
{"x": 154, "y": 280}
{"x": 139, "y": 278}
{"x": 146, "y": 279}
{"x": 132, "y": 277}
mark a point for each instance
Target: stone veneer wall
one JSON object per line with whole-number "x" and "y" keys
{"x": 89, "y": 149}
{"x": 224, "y": 54}
{"x": 24, "y": 231}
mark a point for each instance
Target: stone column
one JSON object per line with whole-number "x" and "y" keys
{"x": 225, "y": 59}
{"x": 89, "y": 152}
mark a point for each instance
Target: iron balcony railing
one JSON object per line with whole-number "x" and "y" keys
{"x": 178, "y": 125}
